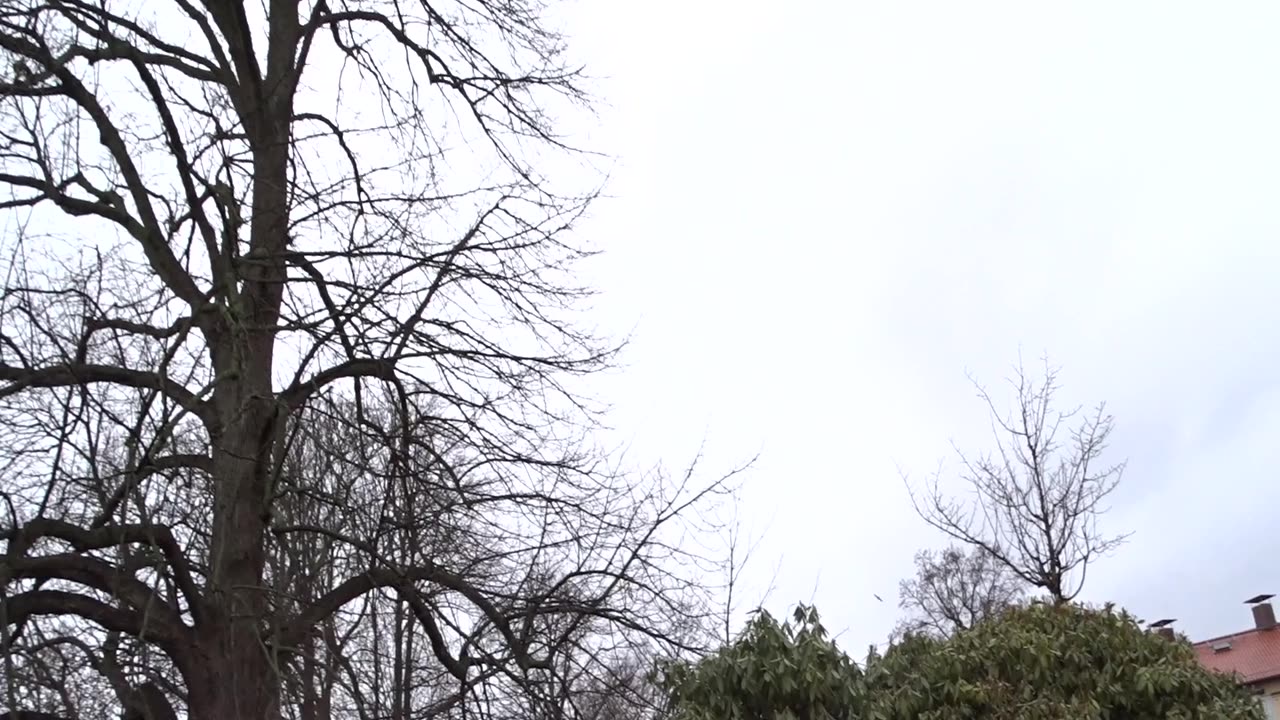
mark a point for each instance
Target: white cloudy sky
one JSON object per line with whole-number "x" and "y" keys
{"x": 825, "y": 213}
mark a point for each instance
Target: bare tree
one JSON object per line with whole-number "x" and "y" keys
{"x": 615, "y": 686}
{"x": 338, "y": 481}
{"x": 289, "y": 363}
{"x": 955, "y": 589}
{"x": 1038, "y": 496}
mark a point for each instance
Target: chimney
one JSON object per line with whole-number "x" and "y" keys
{"x": 1164, "y": 628}
{"x": 1264, "y": 615}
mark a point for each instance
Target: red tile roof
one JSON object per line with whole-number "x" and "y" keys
{"x": 1254, "y": 654}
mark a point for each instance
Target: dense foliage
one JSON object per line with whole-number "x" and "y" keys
{"x": 790, "y": 671}
{"x": 1035, "y": 662}
{"x": 1051, "y": 662}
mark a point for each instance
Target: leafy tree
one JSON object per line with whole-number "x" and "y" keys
{"x": 1037, "y": 498}
{"x": 791, "y": 670}
{"x": 1041, "y": 661}
{"x": 1051, "y": 662}
{"x": 954, "y": 590}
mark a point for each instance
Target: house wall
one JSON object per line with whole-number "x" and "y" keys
{"x": 1269, "y": 696}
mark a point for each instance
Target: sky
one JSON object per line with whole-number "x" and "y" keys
{"x": 823, "y": 215}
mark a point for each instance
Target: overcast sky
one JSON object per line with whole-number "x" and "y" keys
{"x": 825, "y": 213}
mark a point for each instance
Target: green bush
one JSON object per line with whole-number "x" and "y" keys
{"x": 1036, "y": 662}
{"x": 773, "y": 671}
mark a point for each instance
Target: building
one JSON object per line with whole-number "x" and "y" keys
{"x": 1253, "y": 655}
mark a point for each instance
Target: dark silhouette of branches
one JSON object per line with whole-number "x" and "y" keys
{"x": 954, "y": 590}
{"x": 289, "y": 370}
{"x": 1038, "y": 496}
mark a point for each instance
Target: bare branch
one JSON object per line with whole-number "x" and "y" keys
{"x": 76, "y": 375}
{"x": 1038, "y": 498}
{"x": 289, "y": 372}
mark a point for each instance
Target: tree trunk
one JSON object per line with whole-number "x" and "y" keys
{"x": 239, "y": 680}
{"x": 235, "y": 679}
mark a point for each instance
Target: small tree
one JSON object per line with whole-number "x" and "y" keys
{"x": 1051, "y": 662}
{"x": 1038, "y": 497}
{"x": 772, "y": 671}
{"x": 954, "y": 590}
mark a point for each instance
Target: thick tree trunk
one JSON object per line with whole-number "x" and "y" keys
{"x": 235, "y": 679}
{"x": 235, "y": 676}
{"x": 241, "y": 681}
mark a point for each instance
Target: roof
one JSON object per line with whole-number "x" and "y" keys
{"x": 1254, "y": 654}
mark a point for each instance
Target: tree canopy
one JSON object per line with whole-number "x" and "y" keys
{"x": 293, "y": 371}
{"x": 1037, "y": 661}
{"x": 1052, "y": 662}
{"x": 790, "y": 670}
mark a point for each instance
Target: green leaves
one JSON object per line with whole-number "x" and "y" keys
{"x": 773, "y": 671}
{"x": 1038, "y": 662}
{"x": 1051, "y": 662}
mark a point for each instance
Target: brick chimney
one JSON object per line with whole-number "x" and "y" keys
{"x": 1264, "y": 615}
{"x": 1164, "y": 628}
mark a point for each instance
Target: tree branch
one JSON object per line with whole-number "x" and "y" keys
{"x": 20, "y": 607}
{"x": 148, "y": 233}
{"x": 78, "y": 374}
{"x": 354, "y": 587}
{"x": 82, "y": 540}
{"x": 297, "y": 394}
